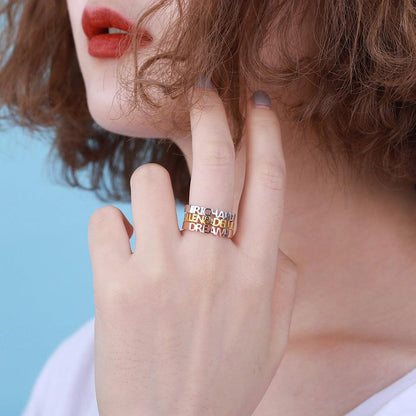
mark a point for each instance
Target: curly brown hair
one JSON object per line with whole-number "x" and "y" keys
{"x": 360, "y": 73}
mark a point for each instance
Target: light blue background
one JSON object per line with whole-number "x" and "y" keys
{"x": 46, "y": 287}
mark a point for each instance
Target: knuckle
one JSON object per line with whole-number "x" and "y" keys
{"x": 145, "y": 171}
{"x": 272, "y": 175}
{"x": 217, "y": 153}
{"x": 267, "y": 124}
{"x": 208, "y": 275}
{"x": 104, "y": 215}
{"x": 205, "y": 271}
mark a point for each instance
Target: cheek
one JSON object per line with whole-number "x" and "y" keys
{"x": 75, "y": 9}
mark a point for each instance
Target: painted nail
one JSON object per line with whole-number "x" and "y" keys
{"x": 205, "y": 82}
{"x": 261, "y": 99}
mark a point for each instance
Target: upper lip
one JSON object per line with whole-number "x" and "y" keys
{"x": 97, "y": 20}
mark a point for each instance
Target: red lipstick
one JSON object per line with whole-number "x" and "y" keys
{"x": 96, "y": 23}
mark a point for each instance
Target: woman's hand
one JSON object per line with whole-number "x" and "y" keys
{"x": 191, "y": 323}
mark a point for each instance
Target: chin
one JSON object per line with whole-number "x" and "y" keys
{"x": 110, "y": 114}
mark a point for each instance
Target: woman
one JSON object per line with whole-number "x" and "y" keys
{"x": 317, "y": 183}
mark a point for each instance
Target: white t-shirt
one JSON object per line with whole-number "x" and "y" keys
{"x": 66, "y": 385}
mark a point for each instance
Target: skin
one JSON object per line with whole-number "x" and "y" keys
{"x": 352, "y": 241}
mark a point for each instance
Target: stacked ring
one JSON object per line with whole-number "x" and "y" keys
{"x": 208, "y": 220}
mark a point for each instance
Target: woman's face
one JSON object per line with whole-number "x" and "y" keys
{"x": 99, "y": 62}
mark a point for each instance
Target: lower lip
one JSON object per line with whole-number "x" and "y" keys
{"x": 108, "y": 45}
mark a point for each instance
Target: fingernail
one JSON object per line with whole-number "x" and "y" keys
{"x": 261, "y": 99}
{"x": 205, "y": 82}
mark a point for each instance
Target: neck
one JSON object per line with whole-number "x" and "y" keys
{"x": 354, "y": 242}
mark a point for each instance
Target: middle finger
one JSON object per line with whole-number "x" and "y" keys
{"x": 213, "y": 154}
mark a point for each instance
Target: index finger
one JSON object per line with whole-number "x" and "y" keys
{"x": 262, "y": 199}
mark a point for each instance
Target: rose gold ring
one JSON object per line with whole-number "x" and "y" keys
{"x": 207, "y": 229}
